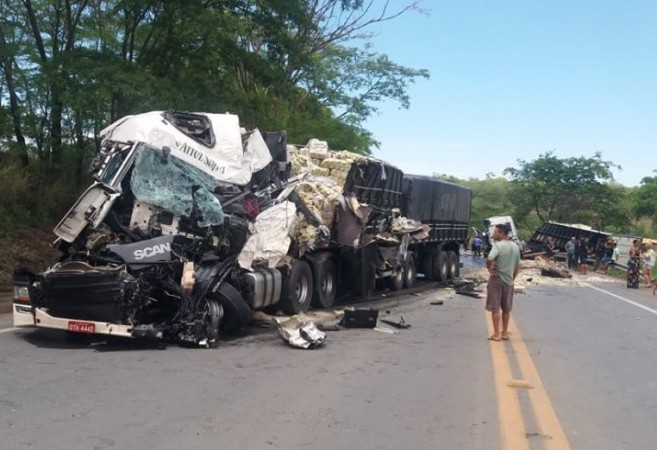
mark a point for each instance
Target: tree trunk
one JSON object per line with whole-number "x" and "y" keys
{"x": 56, "y": 112}
{"x": 7, "y": 63}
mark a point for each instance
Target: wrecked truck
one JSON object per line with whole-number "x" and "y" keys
{"x": 192, "y": 223}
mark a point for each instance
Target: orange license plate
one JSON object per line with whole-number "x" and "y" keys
{"x": 76, "y": 326}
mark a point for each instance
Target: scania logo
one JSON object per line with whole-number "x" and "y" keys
{"x": 152, "y": 251}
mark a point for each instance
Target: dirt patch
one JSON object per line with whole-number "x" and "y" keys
{"x": 530, "y": 275}
{"x": 31, "y": 248}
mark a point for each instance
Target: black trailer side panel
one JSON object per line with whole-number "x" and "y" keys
{"x": 375, "y": 183}
{"x": 444, "y": 206}
{"x": 428, "y": 200}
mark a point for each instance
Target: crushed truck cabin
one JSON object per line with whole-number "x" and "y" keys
{"x": 191, "y": 224}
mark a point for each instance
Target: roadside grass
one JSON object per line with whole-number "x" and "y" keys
{"x": 617, "y": 272}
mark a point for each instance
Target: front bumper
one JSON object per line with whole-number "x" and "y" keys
{"x": 22, "y": 315}
{"x": 44, "y": 320}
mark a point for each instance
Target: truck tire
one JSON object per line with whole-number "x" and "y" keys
{"x": 237, "y": 313}
{"x": 453, "y": 264}
{"x": 297, "y": 289}
{"x": 410, "y": 271}
{"x": 427, "y": 266}
{"x": 396, "y": 281}
{"x": 213, "y": 318}
{"x": 440, "y": 266}
{"x": 326, "y": 284}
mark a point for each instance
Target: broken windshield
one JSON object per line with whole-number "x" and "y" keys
{"x": 165, "y": 181}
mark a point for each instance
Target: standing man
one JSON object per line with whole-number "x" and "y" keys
{"x": 476, "y": 245}
{"x": 503, "y": 265}
{"x": 571, "y": 248}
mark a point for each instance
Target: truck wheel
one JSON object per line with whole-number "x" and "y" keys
{"x": 297, "y": 289}
{"x": 237, "y": 313}
{"x": 410, "y": 271}
{"x": 213, "y": 318}
{"x": 427, "y": 266}
{"x": 396, "y": 281}
{"x": 453, "y": 264}
{"x": 326, "y": 284}
{"x": 440, "y": 267}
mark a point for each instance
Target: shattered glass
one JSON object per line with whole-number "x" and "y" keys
{"x": 167, "y": 182}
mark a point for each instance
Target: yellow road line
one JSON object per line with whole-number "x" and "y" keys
{"x": 514, "y": 436}
{"x": 546, "y": 418}
{"x": 514, "y": 432}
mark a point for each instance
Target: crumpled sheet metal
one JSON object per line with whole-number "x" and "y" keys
{"x": 270, "y": 240}
{"x": 227, "y": 160}
{"x": 298, "y": 332}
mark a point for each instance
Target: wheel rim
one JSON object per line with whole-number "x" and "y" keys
{"x": 213, "y": 317}
{"x": 327, "y": 284}
{"x": 399, "y": 276}
{"x": 398, "y": 279}
{"x": 302, "y": 291}
{"x": 410, "y": 273}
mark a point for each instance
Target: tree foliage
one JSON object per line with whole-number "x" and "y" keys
{"x": 570, "y": 190}
{"x": 645, "y": 199}
{"x": 68, "y": 68}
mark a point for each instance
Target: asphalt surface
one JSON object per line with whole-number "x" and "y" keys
{"x": 595, "y": 347}
{"x": 363, "y": 389}
{"x": 434, "y": 385}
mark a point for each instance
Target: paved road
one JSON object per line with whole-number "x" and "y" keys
{"x": 425, "y": 386}
{"x": 595, "y": 348}
{"x": 577, "y": 373}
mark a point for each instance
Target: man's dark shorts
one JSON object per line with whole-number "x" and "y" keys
{"x": 499, "y": 295}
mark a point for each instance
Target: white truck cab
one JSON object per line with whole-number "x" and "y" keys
{"x": 489, "y": 225}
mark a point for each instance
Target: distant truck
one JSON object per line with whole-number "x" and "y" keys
{"x": 489, "y": 226}
{"x": 558, "y": 234}
{"x": 191, "y": 224}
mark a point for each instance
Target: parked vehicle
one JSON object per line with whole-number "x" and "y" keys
{"x": 190, "y": 225}
{"x": 489, "y": 226}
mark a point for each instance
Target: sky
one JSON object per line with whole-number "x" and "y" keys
{"x": 511, "y": 80}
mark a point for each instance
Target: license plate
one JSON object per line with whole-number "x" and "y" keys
{"x": 75, "y": 326}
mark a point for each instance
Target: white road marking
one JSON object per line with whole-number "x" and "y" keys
{"x": 7, "y": 330}
{"x": 638, "y": 305}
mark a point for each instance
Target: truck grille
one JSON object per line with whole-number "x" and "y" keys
{"x": 93, "y": 295}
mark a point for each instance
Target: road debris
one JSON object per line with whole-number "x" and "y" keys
{"x": 298, "y": 332}
{"x": 360, "y": 318}
{"x": 402, "y": 325}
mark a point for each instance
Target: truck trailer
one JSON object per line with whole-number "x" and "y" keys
{"x": 192, "y": 223}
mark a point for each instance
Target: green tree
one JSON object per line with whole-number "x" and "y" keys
{"x": 490, "y": 197}
{"x": 68, "y": 68}
{"x": 645, "y": 199}
{"x": 644, "y": 206}
{"x": 567, "y": 190}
